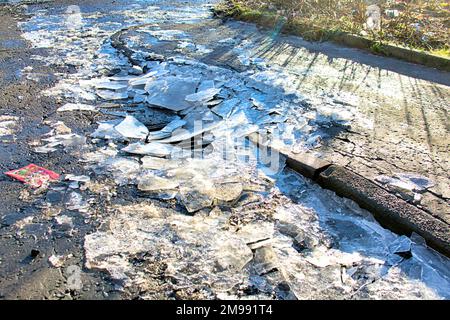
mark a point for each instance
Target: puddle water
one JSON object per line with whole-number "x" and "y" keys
{"x": 213, "y": 217}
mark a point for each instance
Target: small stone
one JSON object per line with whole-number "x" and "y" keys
{"x": 56, "y": 261}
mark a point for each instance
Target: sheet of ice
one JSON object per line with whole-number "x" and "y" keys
{"x": 421, "y": 183}
{"x": 112, "y": 95}
{"x": 196, "y": 197}
{"x": 145, "y": 80}
{"x": 77, "y": 107}
{"x": 227, "y": 192}
{"x": 152, "y": 149}
{"x": 254, "y": 234}
{"x": 206, "y": 85}
{"x": 203, "y": 96}
{"x": 183, "y": 135}
{"x": 400, "y": 245}
{"x": 110, "y": 85}
{"x": 170, "y": 93}
{"x": 130, "y": 127}
{"x": 226, "y": 108}
{"x": 218, "y": 258}
{"x": 151, "y": 182}
{"x": 173, "y": 125}
{"x": 139, "y": 98}
{"x": 156, "y": 163}
{"x": 140, "y": 82}
{"x": 106, "y": 130}
{"x": 167, "y": 130}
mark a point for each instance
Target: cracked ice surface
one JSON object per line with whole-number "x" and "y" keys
{"x": 219, "y": 226}
{"x": 317, "y": 244}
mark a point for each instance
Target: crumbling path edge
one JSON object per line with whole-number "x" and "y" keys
{"x": 389, "y": 210}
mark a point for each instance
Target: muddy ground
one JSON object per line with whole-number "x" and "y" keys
{"x": 26, "y": 273}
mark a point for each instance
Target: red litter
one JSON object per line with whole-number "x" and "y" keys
{"x": 33, "y": 175}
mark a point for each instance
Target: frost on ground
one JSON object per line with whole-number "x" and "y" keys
{"x": 8, "y": 127}
{"x": 211, "y": 217}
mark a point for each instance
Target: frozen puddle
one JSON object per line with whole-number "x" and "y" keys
{"x": 210, "y": 216}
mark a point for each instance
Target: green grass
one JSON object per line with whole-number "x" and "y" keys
{"x": 270, "y": 20}
{"x": 378, "y": 48}
{"x": 442, "y": 52}
{"x": 239, "y": 12}
{"x": 320, "y": 29}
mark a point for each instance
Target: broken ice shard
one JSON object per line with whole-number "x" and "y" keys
{"x": 265, "y": 260}
{"x": 167, "y": 130}
{"x": 152, "y": 149}
{"x": 109, "y": 85}
{"x": 205, "y": 85}
{"x": 400, "y": 245}
{"x": 130, "y": 127}
{"x": 420, "y": 183}
{"x": 112, "y": 95}
{"x": 151, "y": 182}
{"x": 156, "y": 163}
{"x": 228, "y": 191}
{"x": 170, "y": 93}
{"x": 197, "y": 197}
{"x": 188, "y": 134}
{"x": 77, "y": 107}
{"x": 226, "y": 108}
{"x": 66, "y": 140}
{"x": 203, "y": 96}
{"x": 106, "y": 130}
{"x": 234, "y": 255}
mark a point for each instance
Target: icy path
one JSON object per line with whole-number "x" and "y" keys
{"x": 218, "y": 221}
